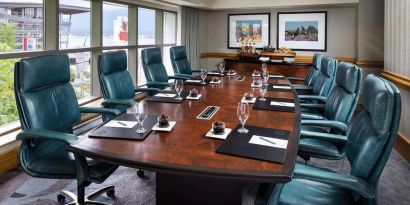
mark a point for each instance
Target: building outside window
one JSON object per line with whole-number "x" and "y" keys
{"x": 115, "y": 24}
{"x": 74, "y": 18}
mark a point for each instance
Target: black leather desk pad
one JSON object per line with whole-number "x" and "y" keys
{"x": 271, "y": 88}
{"x": 126, "y": 133}
{"x": 238, "y": 144}
{"x": 265, "y": 105}
{"x": 184, "y": 94}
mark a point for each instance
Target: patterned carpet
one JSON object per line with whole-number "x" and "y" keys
{"x": 18, "y": 188}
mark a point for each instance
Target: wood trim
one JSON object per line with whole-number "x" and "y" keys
{"x": 8, "y": 159}
{"x": 403, "y": 146}
{"x": 304, "y": 59}
{"x": 396, "y": 78}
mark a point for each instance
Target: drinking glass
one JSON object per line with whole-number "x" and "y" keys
{"x": 243, "y": 113}
{"x": 262, "y": 90}
{"x": 264, "y": 67}
{"x": 204, "y": 73}
{"x": 179, "y": 86}
{"x": 140, "y": 110}
{"x": 222, "y": 68}
{"x": 265, "y": 77}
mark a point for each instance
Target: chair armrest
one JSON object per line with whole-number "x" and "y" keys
{"x": 178, "y": 77}
{"x": 46, "y": 134}
{"x": 183, "y": 75}
{"x": 296, "y": 79}
{"x": 99, "y": 110}
{"x": 303, "y": 87}
{"x": 350, "y": 182}
{"x": 127, "y": 102}
{"x": 313, "y": 97}
{"x": 312, "y": 105}
{"x": 155, "y": 83}
{"x": 323, "y": 136}
{"x": 327, "y": 123}
{"x": 148, "y": 90}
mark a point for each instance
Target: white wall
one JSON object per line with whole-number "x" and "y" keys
{"x": 397, "y": 51}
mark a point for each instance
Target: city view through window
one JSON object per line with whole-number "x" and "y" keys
{"x": 21, "y": 30}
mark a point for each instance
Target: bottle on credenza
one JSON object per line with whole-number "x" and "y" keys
{"x": 242, "y": 47}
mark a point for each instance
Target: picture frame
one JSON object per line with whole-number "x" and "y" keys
{"x": 241, "y": 28}
{"x": 302, "y": 31}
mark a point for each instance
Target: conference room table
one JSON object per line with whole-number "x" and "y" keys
{"x": 188, "y": 168}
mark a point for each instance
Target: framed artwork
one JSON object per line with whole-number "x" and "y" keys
{"x": 303, "y": 31}
{"x": 251, "y": 28}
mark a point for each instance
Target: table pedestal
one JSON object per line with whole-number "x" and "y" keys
{"x": 178, "y": 189}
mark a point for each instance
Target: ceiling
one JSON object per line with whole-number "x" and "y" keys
{"x": 242, "y": 4}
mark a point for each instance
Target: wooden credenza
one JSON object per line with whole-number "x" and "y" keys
{"x": 296, "y": 69}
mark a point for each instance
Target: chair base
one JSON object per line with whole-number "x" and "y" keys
{"x": 89, "y": 199}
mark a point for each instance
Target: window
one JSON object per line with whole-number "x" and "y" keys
{"x": 74, "y": 26}
{"x": 166, "y": 58}
{"x": 80, "y": 74}
{"x": 141, "y": 75}
{"x": 8, "y": 109}
{"x": 21, "y": 26}
{"x": 146, "y": 26}
{"x": 115, "y": 24}
{"x": 170, "y": 28}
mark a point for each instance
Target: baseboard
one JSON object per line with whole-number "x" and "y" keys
{"x": 403, "y": 146}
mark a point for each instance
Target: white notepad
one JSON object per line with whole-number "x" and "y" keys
{"x": 276, "y": 76}
{"x": 255, "y": 86}
{"x": 269, "y": 141}
{"x": 121, "y": 124}
{"x": 282, "y": 87}
{"x": 193, "y": 81}
{"x": 283, "y": 104}
{"x": 165, "y": 95}
{"x": 214, "y": 73}
{"x": 217, "y": 82}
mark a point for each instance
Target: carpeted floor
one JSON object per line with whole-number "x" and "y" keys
{"x": 17, "y": 188}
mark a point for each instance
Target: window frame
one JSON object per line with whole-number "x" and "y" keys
{"x": 51, "y": 44}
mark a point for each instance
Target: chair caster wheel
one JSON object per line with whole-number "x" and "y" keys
{"x": 60, "y": 198}
{"x": 140, "y": 173}
{"x": 111, "y": 193}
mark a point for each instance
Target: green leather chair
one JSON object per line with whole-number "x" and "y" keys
{"x": 116, "y": 83}
{"x": 180, "y": 62}
{"x": 48, "y": 110}
{"x": 369, "y": 145}
{"x": 331, "y": 117}
{"x": 310, "y": 79}
{"x": 154, "y": 69}
{"x": 324, "y": 81}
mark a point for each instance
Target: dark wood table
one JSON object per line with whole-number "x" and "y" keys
{"x": 188, "y": 170}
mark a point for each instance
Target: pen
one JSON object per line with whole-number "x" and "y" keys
{"x": 122, "y": 123}
{"x": 266, "y": 140}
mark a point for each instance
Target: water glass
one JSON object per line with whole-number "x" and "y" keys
{"x": 179, "y": 86}
{"x": 264, "y": 67}
{"x": 243, "y": 114}
{"x": 140, "y": 110}
{"x": 265, "y": 77}
{"x": 222, "y": 68}
{"x": 204, "y": 73}
{"x": 262, "y": 90}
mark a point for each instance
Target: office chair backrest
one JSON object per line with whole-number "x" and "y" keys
{"x": 115, "y": 80}
{"x": 179, "y": 60}
{"x": 314, "y": 70}
{"x": 342, "y": 100}
{"x": 154, "y": 69}
{"x": 374, "y": 129}
{"x": 44, "y": 96}
{"x": 324, "y": 80}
